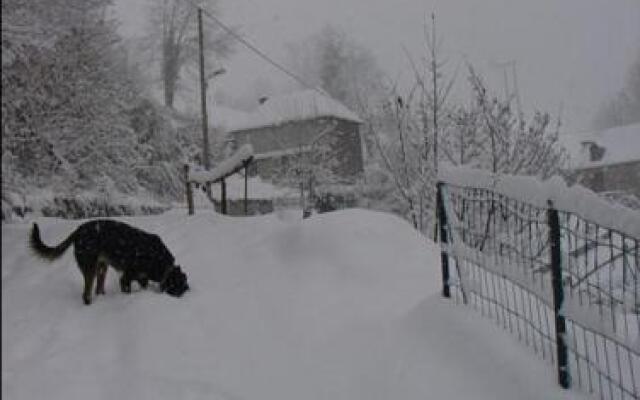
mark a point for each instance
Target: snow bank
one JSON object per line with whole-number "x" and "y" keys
{"x": 341, "y": 305}
{"x": 576, "y": 199}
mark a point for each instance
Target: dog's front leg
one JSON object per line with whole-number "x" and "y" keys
{"x": 125, "y": 282}
{"x": 89, "y": 273}
{"x": 143, "y": 281}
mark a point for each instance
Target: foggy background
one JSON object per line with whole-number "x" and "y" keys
{"x": 105, "y": 96}
{"x": 571, "y": 56}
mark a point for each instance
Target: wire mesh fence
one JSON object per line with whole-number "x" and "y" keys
{"x": 563, "y": 285}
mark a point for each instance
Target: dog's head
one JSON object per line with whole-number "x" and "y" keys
{"x": 175, "y": 282}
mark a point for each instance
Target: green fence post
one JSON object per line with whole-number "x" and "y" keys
{"x": 189, "y": 190}
{"x": 444, "y": 257}
{"x": 558, "y": 296}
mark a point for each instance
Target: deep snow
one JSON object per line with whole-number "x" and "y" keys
{"x": 339, "y": 306}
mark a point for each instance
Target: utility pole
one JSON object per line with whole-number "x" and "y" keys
{"x": 434, "y": 76}
{"x": 432, "y": 43}
{"x": 203, "y": 96}
{"x": 515, "y": 88}
{"x": 203, "y": 101}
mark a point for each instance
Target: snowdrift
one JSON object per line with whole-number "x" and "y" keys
{"x": 342, "y": 305}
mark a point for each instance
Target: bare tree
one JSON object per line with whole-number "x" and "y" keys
{"x": 464, "y": 143}
{"x": 512, "y": 145}
{"x": 396, "y": 131}
{"x": 408, "y": 130}
{"x": 333, "y": 61}
{"x": 173, "y": 39}
{"x": 435, "y": 88}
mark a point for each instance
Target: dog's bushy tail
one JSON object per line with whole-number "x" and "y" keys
{"x": 44, "y": 251}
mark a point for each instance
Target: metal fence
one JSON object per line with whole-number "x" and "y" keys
{"x": 563, "y": 285}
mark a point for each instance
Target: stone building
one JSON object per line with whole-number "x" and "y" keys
{"x": 608, "y": 161}
{"x": 283, "y": 128}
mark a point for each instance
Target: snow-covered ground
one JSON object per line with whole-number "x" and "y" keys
{"x": 339, "y": 306}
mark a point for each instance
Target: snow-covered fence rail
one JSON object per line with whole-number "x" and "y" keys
{"x": 558, "y": 267}
{"x": 241, "y": 159}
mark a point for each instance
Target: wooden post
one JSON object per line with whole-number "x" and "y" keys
{"x": 312, "y": 194}
{"x": 223, "y": 197}
{"x": 189, "y": 190}
{"x": 246, "y": 178}
{"x": 444, "y": 257}
{"x": 558, "y": 295}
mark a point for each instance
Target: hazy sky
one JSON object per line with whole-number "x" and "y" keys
{"x": 570, "y": 53}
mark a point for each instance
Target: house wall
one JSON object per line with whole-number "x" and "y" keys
{"x": 620, "y": 177}
{"x": 348, "y": 149}
{"x": 344, "y": 140}
{"x": 280, "y": 137}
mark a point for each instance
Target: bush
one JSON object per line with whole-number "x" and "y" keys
{"x": 78, "y": 207}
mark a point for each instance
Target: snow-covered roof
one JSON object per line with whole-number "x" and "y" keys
{"x": 618, "y": 145}
{"x": 226, "y": 118}
{"x": 297, "y": 106}
{"x": 226, "y": 167}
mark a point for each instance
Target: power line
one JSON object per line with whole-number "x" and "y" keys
{"x": 257, "y": 51}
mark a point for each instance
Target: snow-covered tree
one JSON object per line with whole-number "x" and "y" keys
{"x": 464, "y": 142}
{"x": 435, "y": 87}
{"x": 43, "y": 77}
{"x": 484, "y": 134}
{"x": 511, "y": 144}
{"x": 73, "y": 114}
{"x": 334, "y": 62}
{"x": 411, "y": 129}
{"x": 401, "y": 148}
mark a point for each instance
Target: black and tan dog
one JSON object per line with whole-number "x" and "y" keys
{"x": 139, "y": 255}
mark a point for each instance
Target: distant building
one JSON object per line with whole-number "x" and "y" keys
{"x": 286, "y": 126}
{"x": 607, "y": 161}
